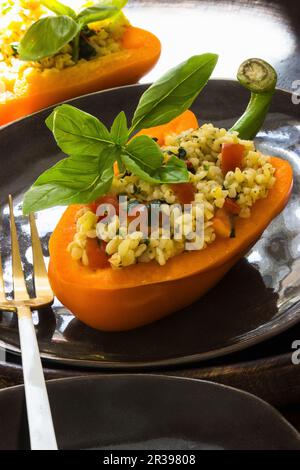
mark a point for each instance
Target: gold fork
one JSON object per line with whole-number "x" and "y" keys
{"x": 41, "y": 430}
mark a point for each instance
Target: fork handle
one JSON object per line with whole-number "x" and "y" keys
{"x": 41, "y": 430}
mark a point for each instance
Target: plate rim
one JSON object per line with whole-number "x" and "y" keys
{"x": 158, "y": 364}
{"x": 107, "y": 90}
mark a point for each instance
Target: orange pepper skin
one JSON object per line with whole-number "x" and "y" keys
{"x": 141, "y": 51}
{"x": 116, "y": 300}
{"x": 222, "y": 224}
{"x": 185, "y": 121}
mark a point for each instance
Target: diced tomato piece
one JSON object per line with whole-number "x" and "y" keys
{"x": 184, "y": 191}
{"x": 232, "y": 157}
{"x": 189, "y": 165}
{"x": 232, "y": 206}
{"x": 108, "y": 199}
{"x": 95, "y": 251}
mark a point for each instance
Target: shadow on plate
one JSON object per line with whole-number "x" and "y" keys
{"x": 227, "y": 310}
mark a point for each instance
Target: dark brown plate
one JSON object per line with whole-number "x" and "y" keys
{"x": 257, "y": 299}
{"x": 149, "y": 412}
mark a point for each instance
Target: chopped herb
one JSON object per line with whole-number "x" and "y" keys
{"x": 136, "y": 189}
{"x": 155, "y": 139}
{"x": 181, "y": 153}
{"x": 14, "y": 46}
{"x": 190, "y": 167}
{"x": 206, "y": 167}
{"x": 87, "y": 32}
{"x": 86, "y": 50}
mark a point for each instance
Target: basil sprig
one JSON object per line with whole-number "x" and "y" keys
{"x": 93, "y": 149}
{"x": 47, "y": 36}
{"x": 58, "y": 8}
{"x": 96, "y": 13}
{"x": 77, "y": 132}
{"x": 174, "y": 92}
{"x": 67, "y": 183}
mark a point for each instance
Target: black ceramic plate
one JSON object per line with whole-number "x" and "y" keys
{"x": 256, "y": 300}
{"x": 149, "y": 412}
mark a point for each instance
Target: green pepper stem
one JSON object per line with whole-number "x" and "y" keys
{"x": 260, "y": 78}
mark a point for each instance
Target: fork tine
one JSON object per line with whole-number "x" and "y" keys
{"x": 40, "y": 275}
{"x": 20, "y": 289}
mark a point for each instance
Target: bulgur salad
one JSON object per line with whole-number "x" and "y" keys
{"x": 201, "y": 151}
{"x": 96, "y": 39}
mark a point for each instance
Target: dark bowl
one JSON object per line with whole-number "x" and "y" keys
{"x": 149, "y": 412}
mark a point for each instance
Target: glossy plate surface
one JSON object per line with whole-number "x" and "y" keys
{"x": 149, "y": 412}
{"x": 257, "y": 299}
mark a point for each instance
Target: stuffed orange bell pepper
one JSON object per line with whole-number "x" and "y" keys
{"x": 117, "y": 273}
{"x": 92, "y": 54}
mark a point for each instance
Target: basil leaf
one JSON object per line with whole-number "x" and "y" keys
{"x": 58, "y": 8}
{"x": 96, "y": 13}
{"x": 113, "y": 3}
{"x": 77, "y": 132}
{"x": 73, "y": 180}
{"x": 174, "y": 92}
{"x": 47, "y": 36}
{"x": 175, "y": 171}
{"x": 119, "y": 129}
{"x": 145, "y": 152}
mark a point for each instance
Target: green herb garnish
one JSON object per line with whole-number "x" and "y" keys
{"x": 88, "y": 171}
{"x": 174, "y": 92}
{"x": 47, "y": 36}
{"x": 86, "y": 50}
{"x": 181, "y": 153}
{"x": 14, "y": 46}
{"x": 260, "y": 78}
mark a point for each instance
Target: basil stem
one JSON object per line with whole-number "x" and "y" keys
{"x": 75, "y": 48}
{"x": 260, "y": 78}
